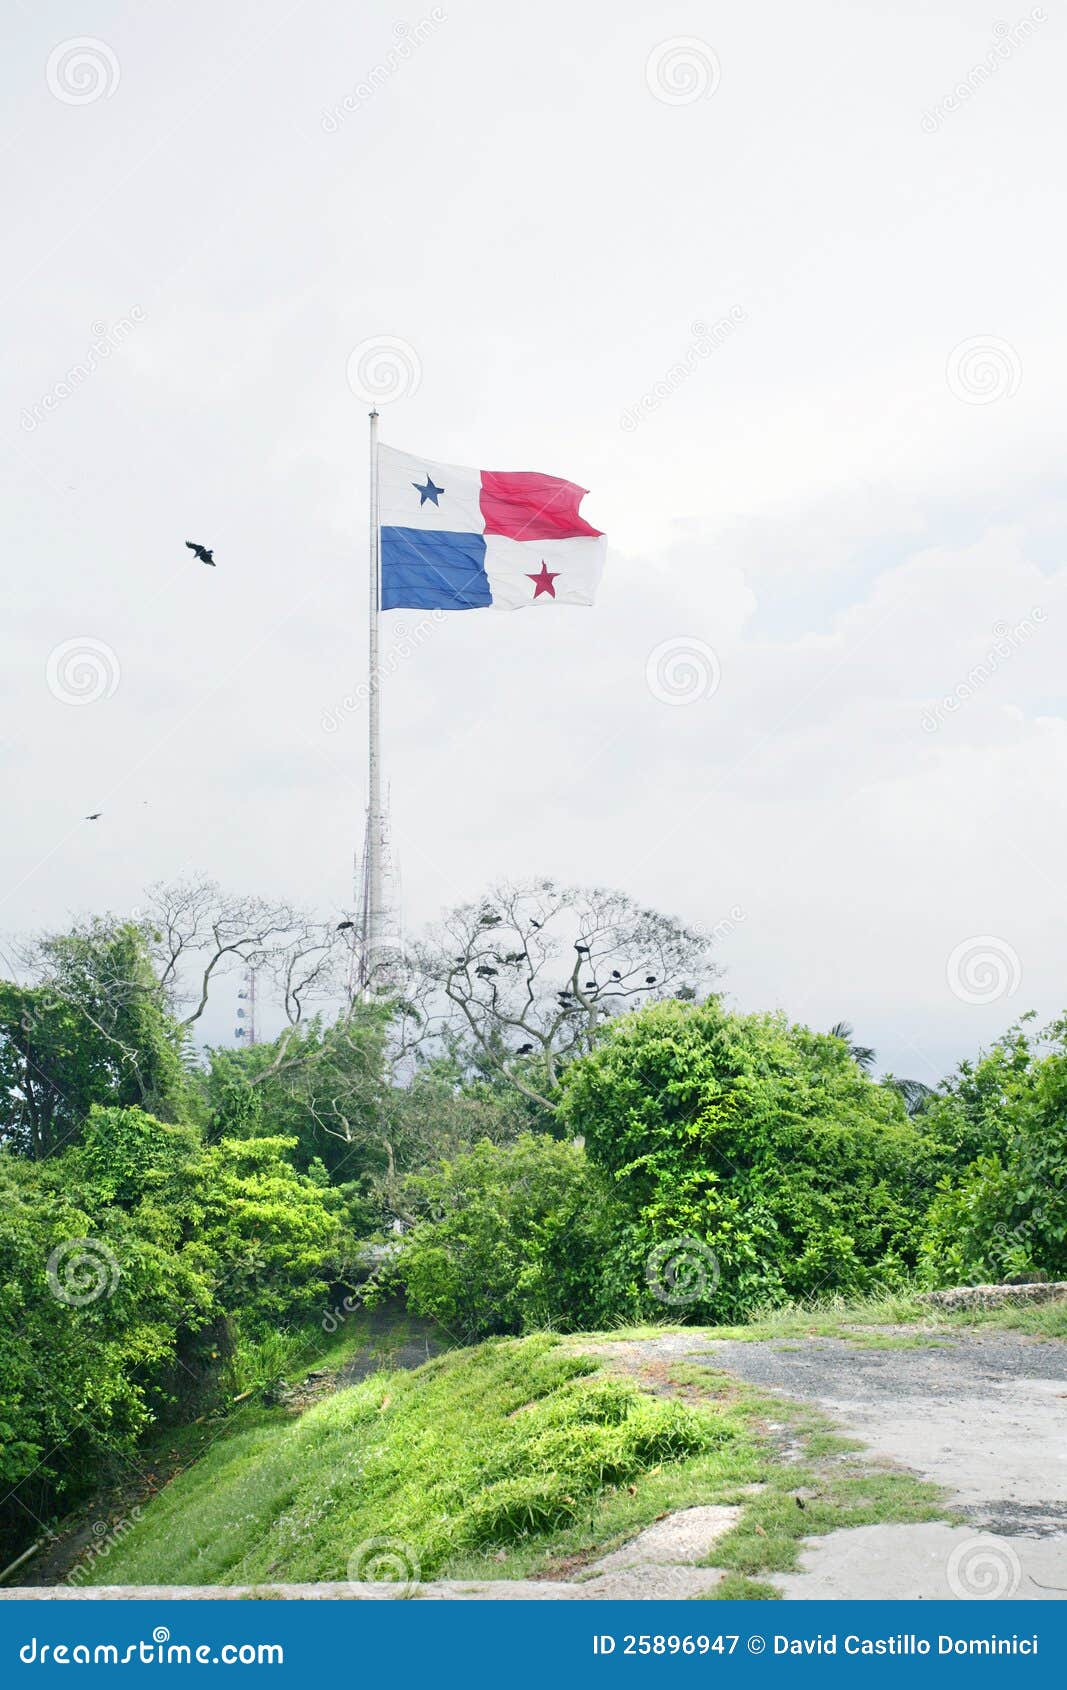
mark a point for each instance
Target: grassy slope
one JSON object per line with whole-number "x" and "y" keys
{"x": 516, "y": 1457}
{"x": 510, "y": 1443}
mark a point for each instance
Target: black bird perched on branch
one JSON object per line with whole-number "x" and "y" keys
{"x": 524, "y": 1050}
{"x": 515, "y": 956}
{"x": 583, "y": 950}
{"x": 650, "y": 979}
{"x": 485, "y": 971}
{"x": 202, "y": 553}
{"x": 95, "y": 817}
{"x": 615, "y": 975}
{"x": 534, "y": 923}
{"x": 342, "y": 925}
{"x": 590, "y": 985}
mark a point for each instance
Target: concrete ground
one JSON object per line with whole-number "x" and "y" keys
{"x": 983, "y": 1414}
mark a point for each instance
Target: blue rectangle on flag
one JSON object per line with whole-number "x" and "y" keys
{"x": 426, "y": 569}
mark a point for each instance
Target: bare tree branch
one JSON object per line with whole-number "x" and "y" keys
{"x": 532, "y": 971}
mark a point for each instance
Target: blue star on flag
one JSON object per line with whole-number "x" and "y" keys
{"x": 429, "y": 491}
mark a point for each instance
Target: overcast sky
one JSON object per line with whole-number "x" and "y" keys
{"x": 782, "y": 286}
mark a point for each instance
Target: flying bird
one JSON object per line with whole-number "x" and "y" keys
{"x": 343, "y": 925}
{"x": 95, "y": 817}
{"x": 534, "y": 923}
{"x": 202, "y": 553}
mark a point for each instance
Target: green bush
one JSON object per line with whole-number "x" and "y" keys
{"x": 511, "y": 1238}
{"x": 1001, "y": 1130}
{"x": 754, "y": 1162}
{"x": 124, "y": 1264}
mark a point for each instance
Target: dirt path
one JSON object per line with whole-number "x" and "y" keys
{"x": 394, "y": 1339}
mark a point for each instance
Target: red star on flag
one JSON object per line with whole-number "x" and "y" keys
{"x": 543, "y": 581}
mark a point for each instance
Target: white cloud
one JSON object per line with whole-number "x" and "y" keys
{"x": 814, "y": 502}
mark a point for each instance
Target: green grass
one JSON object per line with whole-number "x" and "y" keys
{"x": 234, "y": 1405}
{"x": 841, "y": 1317}
{"x": 527, "y": 1457}
{"x": 517, "y": 1446}
{"x": 519, "y": 1457}
{"x": 1043, "y": 1320}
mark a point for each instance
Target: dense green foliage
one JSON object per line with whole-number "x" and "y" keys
{"x": 417, "y": 1474}
{"x": 763, "y": 1142}
{"x": 733, "y": 1162}
{"x": 98, "y": 1031}
{"x": 511, "y": 1238}
{"x": 1001, "y": 1210}
{"x": 169, "y": 1219}
{"x": 728, "y": 1161}
{"x": 128, "y": 1263}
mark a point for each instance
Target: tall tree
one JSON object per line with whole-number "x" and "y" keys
{"x": 198, "y": 932}
{"x": 530, "y": 973}
{"x": 93, "y": 1027}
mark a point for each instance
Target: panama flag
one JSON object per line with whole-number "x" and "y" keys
{"x": 461, "y": 539}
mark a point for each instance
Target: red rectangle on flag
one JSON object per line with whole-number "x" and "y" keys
{"x": 526, "y": 506}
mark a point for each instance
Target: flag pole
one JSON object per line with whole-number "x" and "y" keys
{"x": 372, "y": 934}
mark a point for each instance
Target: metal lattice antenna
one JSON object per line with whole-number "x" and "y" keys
{"x": 376, "y": 956}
